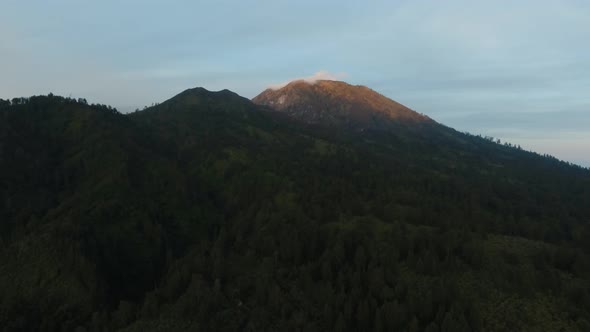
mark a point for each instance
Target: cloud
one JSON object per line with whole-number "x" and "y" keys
{"x": 318, "y": 76}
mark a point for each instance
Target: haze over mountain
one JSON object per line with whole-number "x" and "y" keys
{"x": 316, "y": 207}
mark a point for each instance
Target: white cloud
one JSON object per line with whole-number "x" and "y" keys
{"x": 318, "y": 76}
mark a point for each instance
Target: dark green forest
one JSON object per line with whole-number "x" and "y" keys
{"x": 209, "y": 213}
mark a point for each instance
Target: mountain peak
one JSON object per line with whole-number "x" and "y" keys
{"x": 202, "y": 92}
{"x": 337, "y": 103}
{"x": 202, "y": 98}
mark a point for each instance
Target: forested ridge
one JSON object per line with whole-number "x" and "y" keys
{"x": 209, "y": 213}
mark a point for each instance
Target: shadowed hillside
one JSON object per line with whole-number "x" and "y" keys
{"x": 210, "y": 213}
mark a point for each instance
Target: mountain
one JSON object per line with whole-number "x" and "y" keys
{"x": 338, "y": 104}
{"x": 208, "y": 212}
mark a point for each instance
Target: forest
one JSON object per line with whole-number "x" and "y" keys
{"x": 209, "y": 213}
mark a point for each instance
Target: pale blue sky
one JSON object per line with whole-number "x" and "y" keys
{"x": 517, "y": 70}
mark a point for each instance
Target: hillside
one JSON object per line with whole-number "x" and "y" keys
{"x": 209, "y": 212}
{"x": 338, "y": 103}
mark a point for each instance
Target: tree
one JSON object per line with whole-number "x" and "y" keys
{"x": 414, "y": 325}
{"x": 432, "y": 327}
{"x": 378, "y": 321}
{"x": 340, "y": 325}
{"x": 363, "y": 316}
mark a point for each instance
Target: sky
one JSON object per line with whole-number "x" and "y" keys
{"x": 517, "y": 70}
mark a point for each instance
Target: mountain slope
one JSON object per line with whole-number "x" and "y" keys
{"x": 338, "y": 103}
{"x": 207, "y": 212}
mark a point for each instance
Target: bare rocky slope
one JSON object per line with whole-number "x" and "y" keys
{"x": 338, "y": 103}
